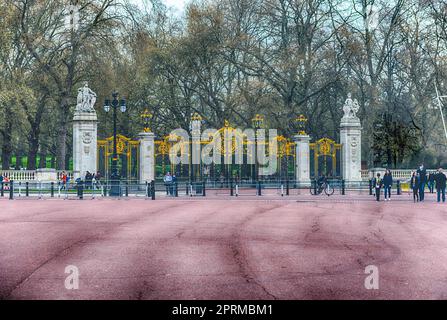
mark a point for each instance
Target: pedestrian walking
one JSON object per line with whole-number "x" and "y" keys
{"x": 422, "y": 172}
{"x": 378, "y": 183}
{"x": 387, "y": 185}
{"x": 431, "y": 182}
{"x": 414, "y": 184}
{"x": 440, "y": 185}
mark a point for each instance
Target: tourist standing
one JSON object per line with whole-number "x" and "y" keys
{"x": 378, "y": 183}
{"x": 6, "y": 182}
{"x": 98, "y": 179}
{"x": 64, "y": 181}
{"x": 174, "y": 185}
{"x": 387, "y": 184}
{"x": 168, "y": 182}
{"x": 414, "y": 184}
{"x": 422, "y": 172}
{"x": 440, "y": 185}
{"x": 88, "y": 179}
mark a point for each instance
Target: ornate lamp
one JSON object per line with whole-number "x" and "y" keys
{"x": 146, "y": 116}
{"x": 196, "y": 117}
{"x": 123, "y": 106}
{"x": 258, "y": 121}
{"x": 301, "y": 121}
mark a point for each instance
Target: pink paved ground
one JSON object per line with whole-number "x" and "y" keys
{"x": 223, "y": 248}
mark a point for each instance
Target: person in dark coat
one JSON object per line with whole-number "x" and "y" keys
{"x": 440, "y": 185}
{"x": 422, "y": 172}
{"x": 431, "y": 182}
{"x": 414, "y": 184}
{"x": 387, "y": 184}
{"x": 378, "y": 183}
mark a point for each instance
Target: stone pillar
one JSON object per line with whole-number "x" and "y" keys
{"x": 85, "y": 132}
{"x": 147, "y": 157}
{"x": 351, "y": 141}
{"x": 302, "y": 159}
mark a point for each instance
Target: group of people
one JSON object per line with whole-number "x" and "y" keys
{"x": 386, "y": 183}
{"x": 418, "y": 182}
{"x": 4, "y": 179}
{"x": 170, "y": 182}
{"x": 90, "y": 180}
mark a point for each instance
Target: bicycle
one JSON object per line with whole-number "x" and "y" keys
{"x": 325, "y": 187}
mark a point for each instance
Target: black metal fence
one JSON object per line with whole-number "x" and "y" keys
{"x": 154, "y": 189}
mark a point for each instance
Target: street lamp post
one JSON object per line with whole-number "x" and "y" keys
{"x": 115, "y": 177}
{"x": 257, "y": 123}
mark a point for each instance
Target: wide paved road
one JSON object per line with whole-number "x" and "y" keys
{"x": 243, "y": 248}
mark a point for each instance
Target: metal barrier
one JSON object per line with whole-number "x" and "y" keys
{"x": 153, "y": 190}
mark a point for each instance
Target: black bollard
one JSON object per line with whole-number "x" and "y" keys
{"x": 153, "y": 190}
{"x": 127, "y": 189}
{"x": 231, "y": 189}
{"x": 11, "y": 190}
{"x": 287, "y": 187}
{"x": 52, "y": 190}
{"x": 370, "y": 187}
{"x": 176, "y": 189}
{"x": 259, "y": 188}
{"x": 2, "y": 192}
{"x": 399, "y": 188}
{"x": 27, "y": 189}
{"x": 80, "y": 187}
{"x": 343, "y": 187}
{"x": 204, "y": 191}
{"x": 187, "y": 189}
{"x": 315, "y": 187}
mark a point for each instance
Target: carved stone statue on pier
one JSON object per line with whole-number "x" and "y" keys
{"x": 351, "y": 108}
{"x": 86, "y": 100}
{"x": 85, "y": 131}
{"x": 351, "y": 140}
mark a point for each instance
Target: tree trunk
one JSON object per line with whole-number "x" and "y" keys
{"x": 33, "y": 147}
{"x": 61, "y": 163}
{"x": 43, "y": 160}
{"x": 18, "y": 163}
{"x": 7, "y": 146}
{"x": 6, "y": 154}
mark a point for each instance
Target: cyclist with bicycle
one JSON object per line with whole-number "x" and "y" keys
{"x": 322, "y": 182}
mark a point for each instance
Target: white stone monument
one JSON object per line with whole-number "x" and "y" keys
{"x": 302, "y": 159}
{"x": 46, "y": 175}
{"x": 85, "y": 131}
{"x": 147, "y": 157}
{"x": 351, "y": 141}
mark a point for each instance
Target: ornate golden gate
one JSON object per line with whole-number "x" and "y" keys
{"x": 325, "y": 157}
{"x": 128, "y": 157}
{"x": 215, "y": 172}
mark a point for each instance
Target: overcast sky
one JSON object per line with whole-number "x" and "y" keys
{"x": 177, "y": 4}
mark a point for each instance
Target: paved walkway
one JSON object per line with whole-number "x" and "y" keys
{"x": 223, "y": 248}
